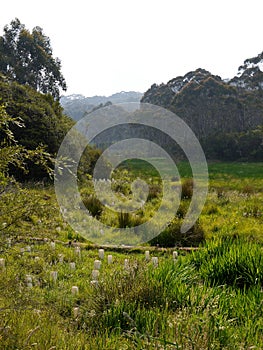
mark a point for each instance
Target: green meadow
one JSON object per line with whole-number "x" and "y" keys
{"x": 207, "y": 297}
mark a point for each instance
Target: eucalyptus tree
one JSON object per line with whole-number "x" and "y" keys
{"x": 27, "y": 57}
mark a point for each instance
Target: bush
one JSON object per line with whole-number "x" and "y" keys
{"x": 182, "y": 210}
{"x": 124, "y": 220}
{"x": 210, "y": 209}
{"x": 154, "y": 192}
{"x": 172, "y": 236}
{"x": 187, "y": 189}
{"x": 248, "y": 189}
{"x": 93, "y": 205}
{"x": 128, "y": 220}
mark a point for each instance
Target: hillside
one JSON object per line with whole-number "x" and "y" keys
{"x": 76, "y": 105}
{"x": 226, "y": 116}
{"x": 209, "y": 104}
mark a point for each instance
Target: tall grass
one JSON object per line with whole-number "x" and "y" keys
{"x": 230, "y": 261}
{"x": 182, "y": 304}
{"x": 208, "y": 299}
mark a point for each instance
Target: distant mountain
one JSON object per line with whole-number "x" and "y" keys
{"x": 77, "y": 105}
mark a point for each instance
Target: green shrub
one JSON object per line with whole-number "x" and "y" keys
{"x": 182, "y": 210}
{"x": 154, "y": 191}
{"x": 211, "y": 209}
{"x": 128, "y": 220}
{"x": 93, "y": 205}
{"x": 248, "y": 189}
{"x": 253, "y": 210}
{"x": 124, "y": 219}
{"x": 187, "y": 189}
{"x": 172, "y": 236}
{"x": 220, "y": 192}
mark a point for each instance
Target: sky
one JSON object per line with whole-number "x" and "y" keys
{"x": 108, "y": 46}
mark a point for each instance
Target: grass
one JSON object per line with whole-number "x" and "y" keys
{"x": 174, "y": 305}
{"x": 228, "y": 174}
{"x": 234, "y": 201}
{"x": 140, "y": 167}
{"x": 206, "y": 299}
{"x": 230, "y": 261}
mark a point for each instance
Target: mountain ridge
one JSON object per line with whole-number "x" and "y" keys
{"x": 76, "y": 105}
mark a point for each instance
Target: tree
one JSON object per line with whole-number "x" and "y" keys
{"x": 27, "y": 58}
{"x": 250, "y": 74}
{"x": 14, "y": 154}
{"x": 16, "y": 203}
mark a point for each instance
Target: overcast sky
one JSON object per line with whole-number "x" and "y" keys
{"x": 107, "y": 46}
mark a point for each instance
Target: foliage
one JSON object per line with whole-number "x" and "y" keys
{"x": 44, "y": 125}
{"x": 172, "y": 236}
{"x": 41, "y": 114}
{"x": 93, "y": 205}
{"x": 225, "y": 116}
{"x": 155, "y": 191}
{"x": 13, "y": 153}
{"x": 246, "y": 146}
{"x": 27, "y": 58}
{"x": 16, "y": 203}
{"x": 187, "y": 189}
{"x": 42, "y": 118}
{"x": 124, "y": 219}
{"x": 250, "y": 74}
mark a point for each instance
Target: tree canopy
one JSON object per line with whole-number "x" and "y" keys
{"x": 44, "y": 124}
{"x": 27, "y": 57}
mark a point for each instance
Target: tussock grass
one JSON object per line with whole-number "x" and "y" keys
{"x": 207, "y": 299}
{"x": 230, "y": 261}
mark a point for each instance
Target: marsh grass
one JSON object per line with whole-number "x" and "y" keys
{"x": 208, "y": 299}
{"x": 93, "y": 205}
{"x": 230, "y": 261}
{"x": 180, "y": 304}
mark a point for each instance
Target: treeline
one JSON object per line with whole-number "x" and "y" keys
{"x": 226, "y": 116}
{"x": 244, "y": 146}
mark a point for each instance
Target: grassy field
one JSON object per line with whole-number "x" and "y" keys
{"x": 206, "y": 299}
{"x": 234, "y": 203}
{"x": 217, "y": 170}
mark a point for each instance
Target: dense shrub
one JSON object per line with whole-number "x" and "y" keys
{"x": 187, "y": 189}
{"x": 124, "y": 219}
{"x": 43, "y": 124}
{"x": 246, "y": 145}
{"x": 128, "y": 220}
{"x": 154, "y": 191}
{"x": 172, "y": 236}
{"x": 94, "y": 206}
